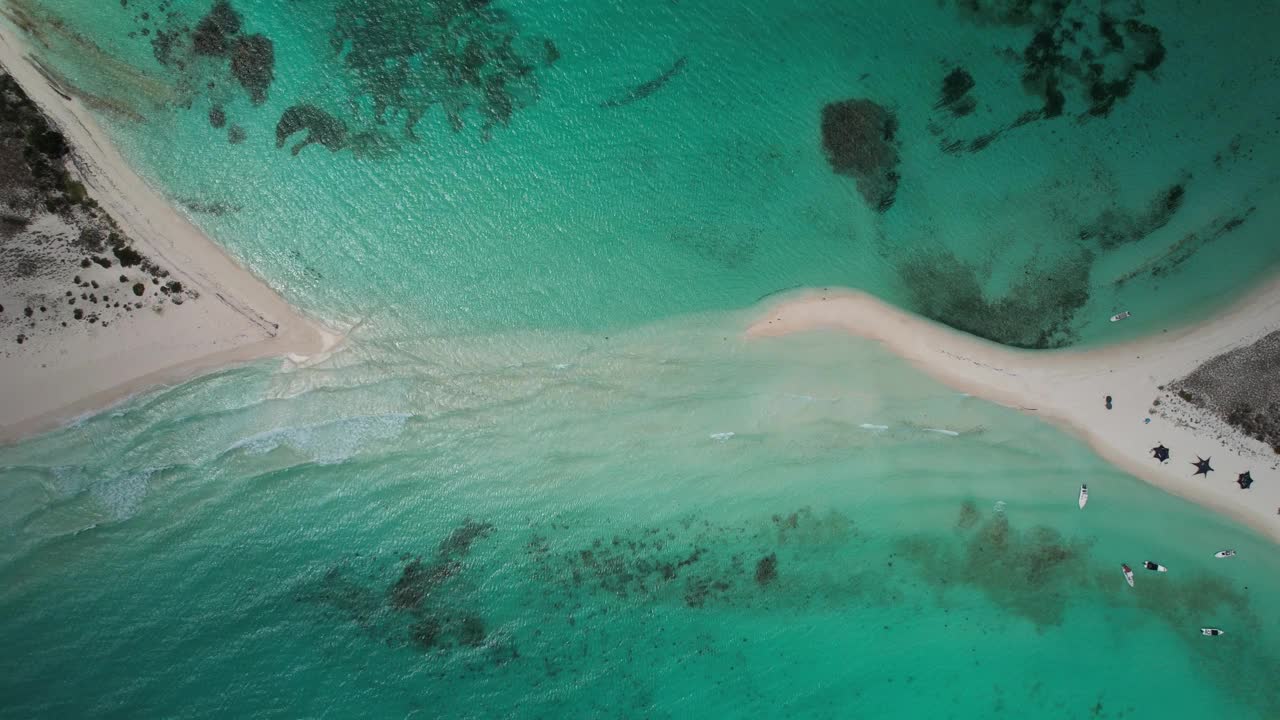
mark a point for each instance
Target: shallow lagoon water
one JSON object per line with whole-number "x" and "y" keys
{"x": 540, "y": 525}
{"x": 548, "y": 478}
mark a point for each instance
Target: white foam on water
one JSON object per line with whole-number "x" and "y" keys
{"x": 68, "y": 480}
{"x": 941, "y": 431}
{"x": 122, "y": 495}
{"x": 721, "y": 436}
{"x": 999, "y": 507}
{"x": 877, "y": 428}
{"x": 327, "y": 443}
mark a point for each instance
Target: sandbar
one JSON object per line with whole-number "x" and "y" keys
{"x": 1068, "y": 388}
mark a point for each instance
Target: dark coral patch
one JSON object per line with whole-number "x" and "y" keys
{"x": 1037, "y": 312}
{"x": 253, "y": 62}
{"x": 199, "y": 57}
{"x": 1116, "y": 226}
{"x": 858, "y": 138}
{"x": 320, "y": 126}
{"x": 767, "y": 569}
{"x": 461, "y": 56}
{"x": 955, "y": 93}
{"x": 212, "y": 33}
{"x": 1075, "y": 55}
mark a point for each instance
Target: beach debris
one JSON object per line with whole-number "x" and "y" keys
{"x": 1160, "y": 452}
{"x": 1202, "y": 466}
{"x": 1244, "y": 480}
{"x": 1225, "y": 554}
{"x": 1211, "y": 632}
{"x": 1108, "y": 402}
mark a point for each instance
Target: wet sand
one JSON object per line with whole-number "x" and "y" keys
{"x": 1069, "y": 388}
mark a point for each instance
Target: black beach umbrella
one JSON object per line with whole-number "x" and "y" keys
{"x": 1161, "y": 452}
{"x": 1245, "y": 480}
{"x": 1202, "y": 466}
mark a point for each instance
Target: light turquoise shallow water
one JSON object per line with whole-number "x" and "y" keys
{"x": 585, "y": 546}
{"x": 517, "y": 494}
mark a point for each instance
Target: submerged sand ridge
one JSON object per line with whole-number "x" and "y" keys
{"x": 183, "y": 306}
{"x": 1070, "y": 387}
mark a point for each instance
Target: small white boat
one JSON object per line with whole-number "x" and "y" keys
{"x": 1225, "y": 554}
{"x": 1084, "y": 495}
{"x": 1128, "y": 574}
{"x": 1211, "y": 632}
{"x": 1120, "y": 316}
{"x": 1154, "y": 566}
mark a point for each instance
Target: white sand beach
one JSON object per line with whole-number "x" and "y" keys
{"x": 1068, "y": 388}
{"x": 51, "y": 379}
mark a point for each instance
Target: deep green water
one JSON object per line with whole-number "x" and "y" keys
{"x": 548, "y": 478}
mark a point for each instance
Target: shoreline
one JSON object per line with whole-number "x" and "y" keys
{"x": 53, "y": 381}
{"x": 1067, "y": 388}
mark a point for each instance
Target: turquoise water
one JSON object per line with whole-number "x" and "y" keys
{"x": 551, "y": 526}
{"x": 548, "y": 478}
{"x": 712, "y": 190}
